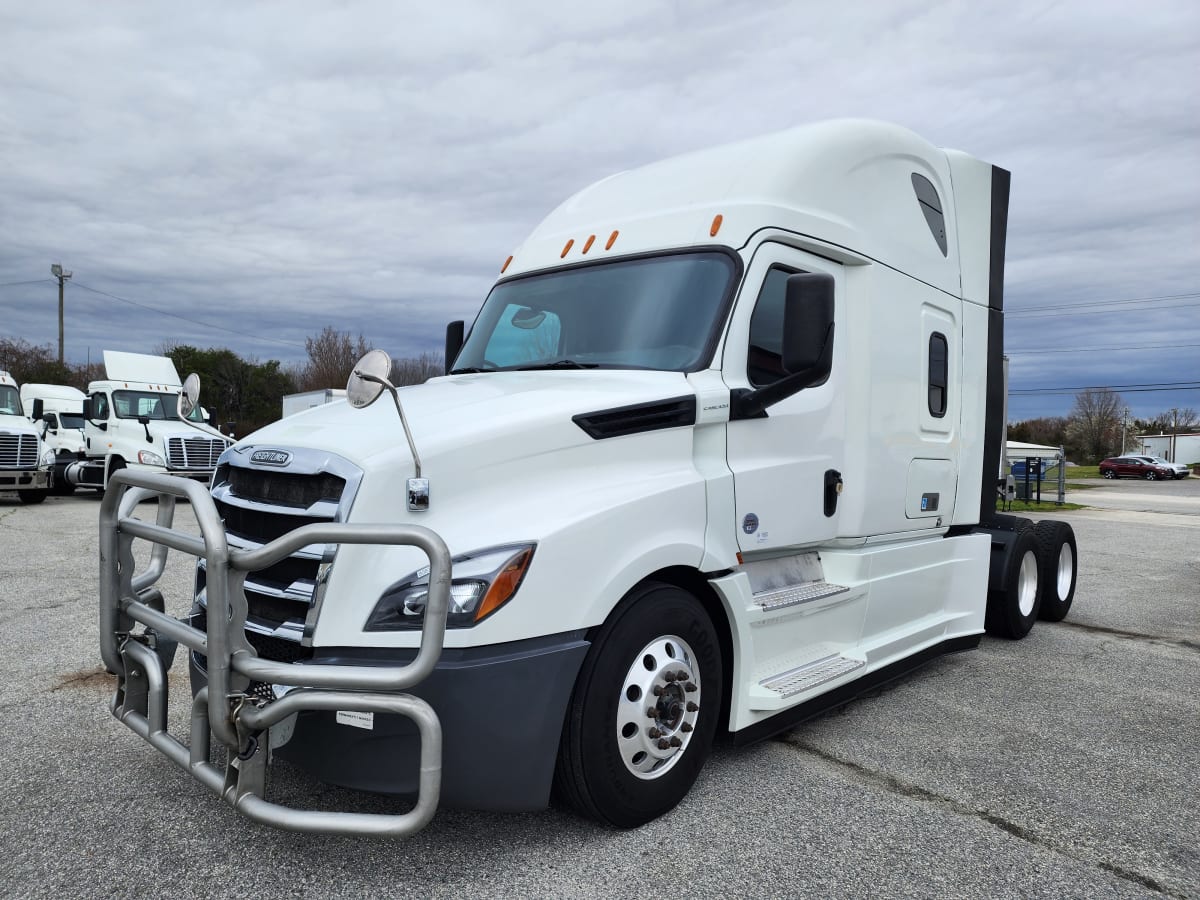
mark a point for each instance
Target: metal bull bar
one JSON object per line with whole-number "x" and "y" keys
{"x": 223, "y": 709}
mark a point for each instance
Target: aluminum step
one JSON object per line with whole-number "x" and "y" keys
{"x": 794, "y": 595}
{"x": 803, "y": 678}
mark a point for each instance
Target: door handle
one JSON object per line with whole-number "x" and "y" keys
{"x": 833, "y": 487}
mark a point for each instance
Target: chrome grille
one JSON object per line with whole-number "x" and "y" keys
{"x": 194, "y": 452}
{"x": 18, "y": 451}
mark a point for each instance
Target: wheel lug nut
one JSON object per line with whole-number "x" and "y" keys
{"x": 685, "y": 727}
{"x": 657, "y": 690}
{"x": 670, "y": 676}
{"x": 692, "y": 707}
{"x": 652, "y": 712}
{"x": 690, "y": 687}
{"x": 675, "y": 742}
{"x": 653, "y": 732}
{"x": 664, "y": 744}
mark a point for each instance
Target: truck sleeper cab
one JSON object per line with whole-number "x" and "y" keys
{"x": 718, "y": 452}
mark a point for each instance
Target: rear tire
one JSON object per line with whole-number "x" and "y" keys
{"x": 1108, "y": 473}
{"x": 1058, "y": 569}
{"x": 1013, "y": 608}
{"x": 612, "y": 765}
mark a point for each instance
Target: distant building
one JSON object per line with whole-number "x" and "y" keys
{"x": 1180, "y": 448}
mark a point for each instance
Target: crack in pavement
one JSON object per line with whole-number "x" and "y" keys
{"x": 1134, "y": 635}
{"x": 894, "y": 785}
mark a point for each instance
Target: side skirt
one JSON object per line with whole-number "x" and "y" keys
{"x": 792, "y": 717}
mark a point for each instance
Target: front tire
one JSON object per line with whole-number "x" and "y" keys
{"x": 1151, "y": 476}
{"x": 644, "y": 710}
{"x": 29, "y": 498}
{"x": 1058, "y": 569}
{"x": 1109, "y": 473}
{"x": 1013, "y": 608}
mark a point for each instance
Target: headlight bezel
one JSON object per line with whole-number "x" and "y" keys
{"x": 150, "y": 458}
{"x": 482, "y": 582}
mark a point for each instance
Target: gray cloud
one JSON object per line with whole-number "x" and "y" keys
{"x": 272, "y": 168}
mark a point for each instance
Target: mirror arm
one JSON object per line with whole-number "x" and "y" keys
{"x": 412, "y": 446}
{"x": 752, "y": 404}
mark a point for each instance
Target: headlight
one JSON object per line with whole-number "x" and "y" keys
{"x": 48, "y": 457}
{"x": 149, "y": 458}
{"x": 483, "y": 582}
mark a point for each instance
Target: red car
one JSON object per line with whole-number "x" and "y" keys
{"x": 1134, "y": 467}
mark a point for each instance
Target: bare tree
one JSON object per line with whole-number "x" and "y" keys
{"x": 417, "y": 370}
{"x": 1095, "y": 424}
{"x": 331, "y": 357}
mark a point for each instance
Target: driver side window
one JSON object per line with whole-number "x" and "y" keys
{"x": 100, "y": 406}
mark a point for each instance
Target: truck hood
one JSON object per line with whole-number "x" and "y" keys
{"x": 490, "y": 416}
{"x": 16, "y": 425}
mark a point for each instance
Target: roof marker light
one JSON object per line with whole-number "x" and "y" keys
{"x": 504, "y": 268}
{"x": 567, "y": 248}
{"x": 612, "y": 239}
{"x": 716, "y": 225}
{"x": 588, "y": 246}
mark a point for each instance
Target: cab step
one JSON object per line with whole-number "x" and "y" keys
{"x": 806, "y": 677}
{"x": 794, "y": 595}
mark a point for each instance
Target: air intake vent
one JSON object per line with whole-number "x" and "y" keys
{"x": 284, "y": 488}
{"x": 623, "y": 420}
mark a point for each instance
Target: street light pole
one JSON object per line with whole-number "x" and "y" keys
{"x": 58, "y": 272}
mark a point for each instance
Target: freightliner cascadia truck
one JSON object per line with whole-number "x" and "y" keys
{"x": 719, "y": 452}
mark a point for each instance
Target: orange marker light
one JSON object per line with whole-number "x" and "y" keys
{"x": 504, "y": 268}
{"x": 567, "y": 249}
{"x": 716, "y": 225}
{"x": 612, "y": 239}
{"x": 588, "y": 246}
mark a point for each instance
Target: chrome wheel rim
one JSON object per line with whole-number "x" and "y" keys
{"x": 1027, "y": 584}
{"x": 1066, "y": 571}
{"x": 658, "y": 707}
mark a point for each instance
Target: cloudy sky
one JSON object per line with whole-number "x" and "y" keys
{"x": 240, "y": 175}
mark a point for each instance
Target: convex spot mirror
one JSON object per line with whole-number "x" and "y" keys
{"x": 368, "y": 379}
{"x": 189, "y": 397}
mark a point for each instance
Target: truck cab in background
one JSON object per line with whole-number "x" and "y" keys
{"x": 60, "y": 425}
{"x": 132, "y": 420}
{"x": 24, "y": 459}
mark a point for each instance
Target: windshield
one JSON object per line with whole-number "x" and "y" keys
{"x": 70, "y": 420}
{"x": 662, "y": 312}
{"x": 10, "y": 401}
{"x": 132, "y": 404}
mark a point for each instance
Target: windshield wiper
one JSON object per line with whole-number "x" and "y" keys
{"x": 559, "y": 364}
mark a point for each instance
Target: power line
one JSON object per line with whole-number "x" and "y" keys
{"x": 1017, "y": 315}
{"x": 1069, "y": 391}
{"x": 1165, "y": 385}
{"x": 1101, "y": 349}
{"x": 18, "y": 283}
{"x": 1092, "y": 304}
{"x": 186, "y": 318}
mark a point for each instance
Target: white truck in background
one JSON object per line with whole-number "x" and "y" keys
{"x": 294, "y": 403}
{"x": 719, "y": 452}
{"x": 24, "y": 459}
{"x": 132, "y": 420}
{"x": 60, "y": 425}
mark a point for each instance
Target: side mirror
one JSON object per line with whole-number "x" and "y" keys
{"x": 454, "y": 342}
{"x": 189, "y": 397}
{"x": 87, "y": 409}
{"x": 807, "y": 345}
{"x": 808, "y": 327}
{"x": 37, "y": 409}
{"x": 143, "y": 420}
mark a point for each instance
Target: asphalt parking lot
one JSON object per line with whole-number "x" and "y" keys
{"x": 1065, "y": 765}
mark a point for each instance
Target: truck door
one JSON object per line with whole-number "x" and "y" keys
{"x": 786, "y": 465}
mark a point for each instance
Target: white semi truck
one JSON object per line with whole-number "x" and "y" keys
{"x": 719, "y": 452}
{"x": 60, "y": 426}
{"x": 132, "y": 421}
{"x": 24, "y": 459}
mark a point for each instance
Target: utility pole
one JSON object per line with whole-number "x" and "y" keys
{"x": 1124, "y": 430}
{"x": 1174, "y": 430}
{"x": 58, "y": 272}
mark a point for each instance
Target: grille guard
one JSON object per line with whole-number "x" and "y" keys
{"x": 223, "y": 709}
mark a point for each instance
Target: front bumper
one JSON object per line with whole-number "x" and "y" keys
{"x": 501, "y": 709}
{"x": 24, "y": 479}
